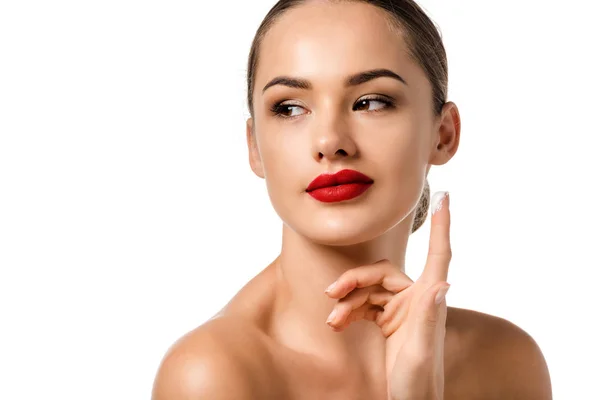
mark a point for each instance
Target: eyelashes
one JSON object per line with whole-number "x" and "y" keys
{"x": 279, "y": 110}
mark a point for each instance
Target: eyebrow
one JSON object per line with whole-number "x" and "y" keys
{"x": 352, "y": 80}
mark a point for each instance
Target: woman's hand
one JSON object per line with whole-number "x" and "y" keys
{"x": 407, "y": 312}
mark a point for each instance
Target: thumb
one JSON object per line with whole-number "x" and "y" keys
{"x": 432, "y": 317}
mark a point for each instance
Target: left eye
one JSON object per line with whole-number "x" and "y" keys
{"x": 360, "y": 104}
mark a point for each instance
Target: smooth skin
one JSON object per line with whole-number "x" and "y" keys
{"x": 271, "y": 341}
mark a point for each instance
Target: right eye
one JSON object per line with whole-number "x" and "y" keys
{"x": 282, "y": 110}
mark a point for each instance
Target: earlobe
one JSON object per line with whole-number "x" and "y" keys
{"x": 253, "y": 154}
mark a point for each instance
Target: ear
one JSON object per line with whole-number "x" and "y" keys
{"x": 447, "y": 137}
{"x": 253, "y": 154}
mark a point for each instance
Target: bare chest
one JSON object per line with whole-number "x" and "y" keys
{"x": 300, "y": 383}
{"x": 302, "y": 378}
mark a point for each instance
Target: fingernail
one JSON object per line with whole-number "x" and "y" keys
{"x": 441, "y": 294}
{"x": 331, "y": 316}
{"x": 330, "y": 287}
{"x": 436, "y": 201}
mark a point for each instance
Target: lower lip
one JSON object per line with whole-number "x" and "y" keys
{"x": 333, "y": 194}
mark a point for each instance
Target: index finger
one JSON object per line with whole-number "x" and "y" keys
{"x": 440, "y": 253}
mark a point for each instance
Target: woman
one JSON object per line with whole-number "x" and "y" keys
{"x": 348, "y": 113}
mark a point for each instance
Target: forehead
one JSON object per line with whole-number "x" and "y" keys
{"x": 323, "y": 41}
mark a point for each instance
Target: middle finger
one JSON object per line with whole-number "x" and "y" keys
{"x": 375, "y": 295}
{"x": 382, "y": 273}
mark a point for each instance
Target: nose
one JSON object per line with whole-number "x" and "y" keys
{"x": 333, "y": 143}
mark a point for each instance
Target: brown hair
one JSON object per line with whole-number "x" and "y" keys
{"x": 424, "y": 44}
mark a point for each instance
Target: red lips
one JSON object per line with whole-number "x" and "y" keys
{"x": 343, "y": 185}
{"x": 339, "y": 178}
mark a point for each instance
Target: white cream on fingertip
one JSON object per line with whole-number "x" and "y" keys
{"x": 436, "y": 201}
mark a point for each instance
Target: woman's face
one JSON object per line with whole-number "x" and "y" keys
{"x": 333, "y": 126}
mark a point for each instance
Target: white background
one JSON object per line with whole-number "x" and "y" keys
{"x": 129, "y": 214}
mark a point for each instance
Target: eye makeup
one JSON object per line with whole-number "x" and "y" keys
{"x": 279, "y": 109}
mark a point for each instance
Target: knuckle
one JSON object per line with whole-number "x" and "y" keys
{"x": 387, "y": 329}
{"x": 443, "y": 256}
{"x": 386, "y": 265}
{"x": 430, "y": 321}
{"x": 356, "y": 297}
{"x": 378, "y": 297}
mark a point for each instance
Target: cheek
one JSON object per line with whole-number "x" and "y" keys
{"x": 401, "y": 165}
{"x": 285, "y": 150}
{"x": 282, "y": 157}
{"x": 396, "y": 148}
{"x": 285, "y": 168}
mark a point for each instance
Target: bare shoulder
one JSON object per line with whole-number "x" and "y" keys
{"x": 221, "y": 359}
{"x": 499, "y": 360}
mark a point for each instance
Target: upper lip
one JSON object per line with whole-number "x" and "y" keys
{"x": 339, "y": 178}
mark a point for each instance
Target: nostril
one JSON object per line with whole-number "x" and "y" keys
{"x": 339, "y": 152}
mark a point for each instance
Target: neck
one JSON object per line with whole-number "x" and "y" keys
{"x": 304, "y": 269}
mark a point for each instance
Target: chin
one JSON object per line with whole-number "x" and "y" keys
{"x": 341, "y": 232}
{"x": 343, "y": 224}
